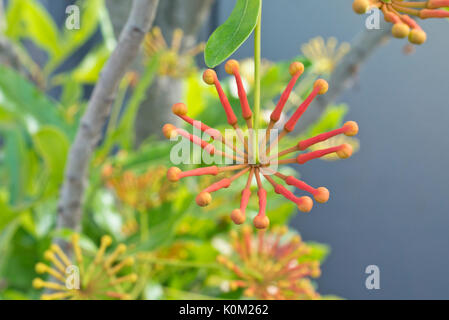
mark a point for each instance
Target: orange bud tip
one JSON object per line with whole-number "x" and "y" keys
{"x": 352, "y": 128}
{"x": 345, "y": 151}
{"x": 306, "y": 204}
{"x": 261, "y": 222}
{"x": 169, "y": 131}
{"x": 321, "y": 195}
{"x": 295, "y": 68}
{"x": 400, "y": 30}
{"x": 204, "y": 199}
{"x": 360, "y": 6}
{"x": 417, "y": 36}
{"x": 209, "y": 76}
{"x": 173, "y": 174}
{"x": 180, "y": 109}
{"x": 232, "y": 66}
{"x": 322, "y": 85}
{"x": 237, "y": 216}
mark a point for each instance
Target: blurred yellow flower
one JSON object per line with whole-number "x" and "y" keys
{"x": 173, "y": 62}
{"x": 86, "y": 279}
{"x": 140, "y": 191}
{"x": 324, "y": 55}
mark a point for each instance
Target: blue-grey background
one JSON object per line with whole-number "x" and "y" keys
{"x": 390, "y": 202}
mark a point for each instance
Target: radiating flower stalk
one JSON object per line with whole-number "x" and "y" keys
{"x": 269, "y": 267}
{"x": 103, "y": 277}
{"x": 337, "y": 140}
{"x": 140, "y": 192}
{"x": 173, "y": 61}
{"x": 245, "y": 163}
{"x": 400, "y": 13}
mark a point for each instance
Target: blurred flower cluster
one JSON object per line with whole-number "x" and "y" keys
{"x": 102, "y": 277}
{"x": 268, "y": 266}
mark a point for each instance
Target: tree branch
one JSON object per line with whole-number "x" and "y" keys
{"x": 89, "y": 132}
{"x": 172, "y": 14}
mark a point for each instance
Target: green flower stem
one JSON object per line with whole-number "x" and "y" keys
{"x": 257, "y": 40}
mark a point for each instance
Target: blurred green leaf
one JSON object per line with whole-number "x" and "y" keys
{"x": 14, "y": 295}
{"x": 85, "y": 242}
{"x": 194, "y": 94}
{"x": 71, "y": 40}
{"x": 24, "y": 252}
{"x": 88, "y": 71}
{"x": 13, "y": 19}
{"x": 29, "y": 106}
{"x": 233, "y": 33}
{"x": 163, "y": 221}
{"x": 7, "y": 215}
{"x": 29, "y": 19}
{"x": 53, "y": 146}
{"x": 72, "y": 92}
{"x": 331, "y": 118}
{"x": 16, "y": 164}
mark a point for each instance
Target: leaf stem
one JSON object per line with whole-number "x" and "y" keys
{"x": 257, "y": 55}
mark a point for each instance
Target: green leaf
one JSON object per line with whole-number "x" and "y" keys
{"x": 233, "y": 33}
{"x": 20, "y": 97}
{"x": 53, "y": 146}
{"x": 6, "y": 217}
{"x": 16, "y": 165}
{"x": 14, "y": 295}
{"x": 85, "y": 242}
{"x": 72, "y": 92}
{"x": 88, "y": 71}
{"x": 40, "y": 27}
{"x": 71, "y": 40}
{"x": 13, "y": 19}
{"x": 331, "y": 118}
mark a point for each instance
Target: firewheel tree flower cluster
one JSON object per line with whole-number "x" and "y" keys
{"x": 242, "y": 159}
{"x": 141, "y": 192}
{"x": 173, "y": 61}
{"x": 400, "y": 13}
{"x": 103, "y": 277}
{"x": 325, "y": 54}
{"x": 267, "y": 266}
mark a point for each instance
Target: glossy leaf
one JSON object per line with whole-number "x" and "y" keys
{"x": 233, "y": 33}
